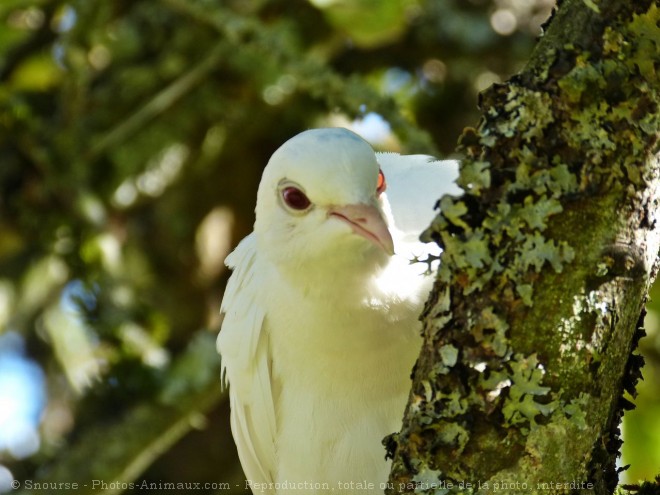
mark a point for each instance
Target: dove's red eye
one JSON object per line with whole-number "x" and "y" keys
{"x": 381, "y": 185}
{"x": 294, "y": 198}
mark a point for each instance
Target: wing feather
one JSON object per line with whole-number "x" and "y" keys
{"x": 243, "y": 345}
{"x": 414, "y": 184}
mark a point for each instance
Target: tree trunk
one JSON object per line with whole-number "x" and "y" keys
{"x": 547, "y": 262}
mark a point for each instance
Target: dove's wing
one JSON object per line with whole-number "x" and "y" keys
{"x": 414, "y": 184}
{"x": 243, "y": 345}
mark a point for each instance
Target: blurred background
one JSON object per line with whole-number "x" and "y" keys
{"x": 132, "y": 139}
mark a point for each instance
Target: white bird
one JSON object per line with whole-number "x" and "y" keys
{"x": 321, "y": 329}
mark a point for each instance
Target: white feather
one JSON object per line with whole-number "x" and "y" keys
{"x": 321, "y": 327}
{"x": 414, "y": 185}
{"x": 246, "y": 365}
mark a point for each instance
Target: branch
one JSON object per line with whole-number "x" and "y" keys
{"x": 547, "y": 262}
{"x": 165, "y": 99}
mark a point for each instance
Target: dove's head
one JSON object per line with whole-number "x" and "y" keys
{"x": 320, "y": 204}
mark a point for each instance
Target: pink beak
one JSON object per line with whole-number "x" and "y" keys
{"x": 366, "y": 220}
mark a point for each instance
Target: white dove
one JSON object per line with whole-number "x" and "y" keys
{"x": 321, "y": 329}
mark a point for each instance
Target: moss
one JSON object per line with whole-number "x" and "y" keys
{"x": 547, "y": 454}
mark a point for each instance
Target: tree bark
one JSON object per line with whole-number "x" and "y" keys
{"x": 548, "y": 257}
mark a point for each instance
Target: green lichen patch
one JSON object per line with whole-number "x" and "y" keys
{"x": 469, "y": 253}
{"x": 453, "y": 209}
{"x": 555, "y": 181}
{"x": 536, "y": 251}
{"x": 521, "y": 406}
{"x": 576, "y": 410}
{"x": 452, "y": 434}
{"x": 448, "y": 357}
{"x": 535, "y": 212}
{"x": 471, "y": 243}
{"x": 489, "y": 331}
{"x": 475, "y": 176}
{"x": 494, "y": 383}
{"x": 530, "y": 114}
{"x": 525, "y": 291}
{"x": 428, "y": 481}
{"x": 627, "y": 107}
{"x": 647, "y": 48}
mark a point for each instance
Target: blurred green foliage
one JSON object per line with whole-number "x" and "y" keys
{"x": 132, "y": 139}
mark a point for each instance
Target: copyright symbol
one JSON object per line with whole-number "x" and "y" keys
{"x": 15, "y": 484}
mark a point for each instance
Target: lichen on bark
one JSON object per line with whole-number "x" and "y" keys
{"x": 547, "y": 259}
